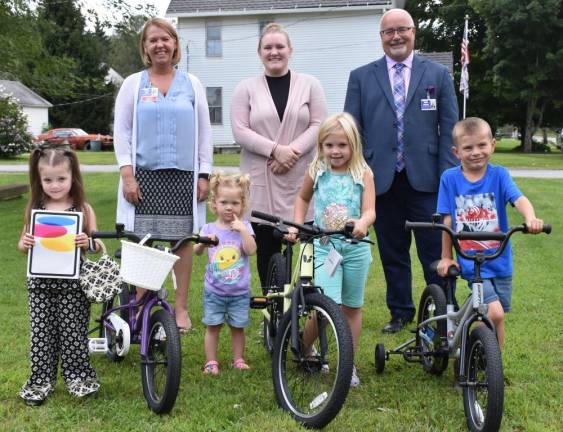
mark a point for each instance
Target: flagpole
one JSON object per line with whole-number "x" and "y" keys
{"x": 464, "y": 77}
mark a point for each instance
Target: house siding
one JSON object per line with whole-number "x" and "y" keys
{"x": 327, "y": 45}
{"x": 37, "y": 119}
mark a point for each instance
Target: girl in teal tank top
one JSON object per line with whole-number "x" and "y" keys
{"x": 343, "y": 187}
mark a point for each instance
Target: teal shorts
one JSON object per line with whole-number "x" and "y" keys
{"x": 498, "y": 288}
{"x": 346, "y": 286}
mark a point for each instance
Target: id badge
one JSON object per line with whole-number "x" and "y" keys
{"x": 333, "y": 260}
{"x": 149, "y": 94}
{"x": 428, "y": 104}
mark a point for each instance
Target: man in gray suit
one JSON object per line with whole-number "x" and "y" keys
{"x": 406, "y": 108}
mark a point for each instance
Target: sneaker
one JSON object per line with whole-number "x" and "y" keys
{"x": 35, "y": 395}
{"x": 83, "y": 388}
{"x": 355, "y": 381}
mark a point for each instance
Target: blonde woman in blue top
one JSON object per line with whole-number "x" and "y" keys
{"x": 162, "y": 139}
{"x": 342, "y": 184}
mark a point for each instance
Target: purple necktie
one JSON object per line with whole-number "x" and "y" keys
{"x": 399, "y": 94}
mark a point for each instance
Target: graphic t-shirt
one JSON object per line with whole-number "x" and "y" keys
{"x": 479, "y": 206}
{"x": 228, "y": 270}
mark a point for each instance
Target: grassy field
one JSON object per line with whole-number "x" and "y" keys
{"x": 504, "y": 155}
{"x": 403, "y": 398}
{"x": 108, "y": 158}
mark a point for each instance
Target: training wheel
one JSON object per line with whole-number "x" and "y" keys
{"x": 379, "y": 358}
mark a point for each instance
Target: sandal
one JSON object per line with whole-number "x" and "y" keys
{"x": 240, "y": 364}
{"x": 211, "y": 368}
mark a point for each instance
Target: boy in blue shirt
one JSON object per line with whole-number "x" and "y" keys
{"x": 473, "y": 197}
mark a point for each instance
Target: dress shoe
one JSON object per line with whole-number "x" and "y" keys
{"x": 396, "y": 324}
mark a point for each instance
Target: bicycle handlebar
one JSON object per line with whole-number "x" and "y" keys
{"x": 475, "y": 235}
{"x": 120, "y": 232}
{"x": 308, "y": 230}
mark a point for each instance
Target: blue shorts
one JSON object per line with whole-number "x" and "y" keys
{"x": 219, "y": 309}
{"x": 498, "y": 288}
{"x": 346, "y": 286}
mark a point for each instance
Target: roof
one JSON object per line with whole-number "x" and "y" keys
{"x": 194, "y": 6}
{"x": 445, "y": 58}
{"x": 24, "y": 95}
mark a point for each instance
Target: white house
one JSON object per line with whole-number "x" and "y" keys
{"x": 219, "y": 40}
{"x": 34, "y": 106}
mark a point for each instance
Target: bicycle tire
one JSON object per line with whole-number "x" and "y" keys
{"x": 483, "y": 397}
{"x": 275, "y": 282}
{"x": 160, "y": 370}
{"x": 432, "y": 303}
{"x": 114, "y": 339}
{"x": 314, "y": 389}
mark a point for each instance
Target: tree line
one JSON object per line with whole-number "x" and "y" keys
{"x": 63, "y": 53}
{"x": 515, "y": 74}
{"x": 516, "y": 69}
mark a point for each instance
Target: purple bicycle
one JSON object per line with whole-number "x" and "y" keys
{"x": 148, "y": 320}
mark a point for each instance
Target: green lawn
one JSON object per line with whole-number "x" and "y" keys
{"x": 403, "y": 398}
{"x": 108, "y": 158}
{"x": 504, "y": 155}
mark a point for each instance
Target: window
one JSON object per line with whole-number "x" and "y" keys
{"x": 263, "y": 23}
{"x": 214, "y": 46}
{"x": 215, "y": 102}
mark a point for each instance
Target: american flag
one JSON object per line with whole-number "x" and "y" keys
{"x": 465, "y": 59}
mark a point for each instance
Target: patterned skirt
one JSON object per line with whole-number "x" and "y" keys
{"x": 166, "y": 209}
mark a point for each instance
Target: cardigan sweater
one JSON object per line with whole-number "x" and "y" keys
{"x": 257, "y": 129}
{"x": 125, "y": 143}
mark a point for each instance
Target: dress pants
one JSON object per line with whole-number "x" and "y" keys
{"x": 399, "y": 204}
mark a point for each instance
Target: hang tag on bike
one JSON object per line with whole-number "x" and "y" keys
{"x": 332, "y": 261}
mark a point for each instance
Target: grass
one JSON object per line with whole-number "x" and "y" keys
{"x": 506, "y": 156}
{"x": 108, "y": 158}
{"x": 403, "y": 398}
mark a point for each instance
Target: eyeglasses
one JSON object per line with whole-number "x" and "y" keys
{"x": 390, "y": 32}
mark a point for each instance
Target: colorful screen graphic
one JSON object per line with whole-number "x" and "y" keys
{"x": 55, "y": 254}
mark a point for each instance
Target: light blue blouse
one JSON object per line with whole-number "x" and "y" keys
{"x": 165, "y": 125}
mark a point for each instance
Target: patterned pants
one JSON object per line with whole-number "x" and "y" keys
{"x": 59, "y": 314}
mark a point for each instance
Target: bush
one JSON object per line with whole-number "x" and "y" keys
{"x": 14, "y": 137}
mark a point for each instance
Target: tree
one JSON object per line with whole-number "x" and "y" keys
{"x": 524, "y": 45}
{"x": 440, "y": 26}
{"x": 124, "y": 54}
{"x": 14, "y": 138}
{"x": 90, "y": 101}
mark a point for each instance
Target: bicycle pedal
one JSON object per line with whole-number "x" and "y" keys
{"x": 98, "y": 345}
{"x": 258, "y": 303}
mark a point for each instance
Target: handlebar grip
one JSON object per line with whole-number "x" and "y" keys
{"x": 104, "y": 234}
{"x": 547, "y": 228}
{"x": 207, "y": 240}
{"x": 264, "y": 216}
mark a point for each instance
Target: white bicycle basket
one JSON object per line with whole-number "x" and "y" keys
{"x": 144, "y": 266}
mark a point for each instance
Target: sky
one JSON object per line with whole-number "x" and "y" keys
{"x": 100, "y": 6}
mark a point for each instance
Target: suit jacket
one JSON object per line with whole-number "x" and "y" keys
{"x": 428, "y": 134}
{"x": 257, "y": 128}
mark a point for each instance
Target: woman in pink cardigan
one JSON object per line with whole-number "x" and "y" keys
{"x": 275, "y": 118}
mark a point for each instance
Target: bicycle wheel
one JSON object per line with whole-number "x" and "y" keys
{"x": 115, "y": 339}
{"x": 483, "y": 397}
{"x": 275, "y": 282}
{"x": 430, "y": 337}
{"x": 160, "y": 370}
{"x": 313, "y": 388}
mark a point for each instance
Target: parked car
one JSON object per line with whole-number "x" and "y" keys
{"x": 77, "y": 138}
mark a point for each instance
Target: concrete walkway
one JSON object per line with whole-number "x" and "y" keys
{"x": 515, "y": 172}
